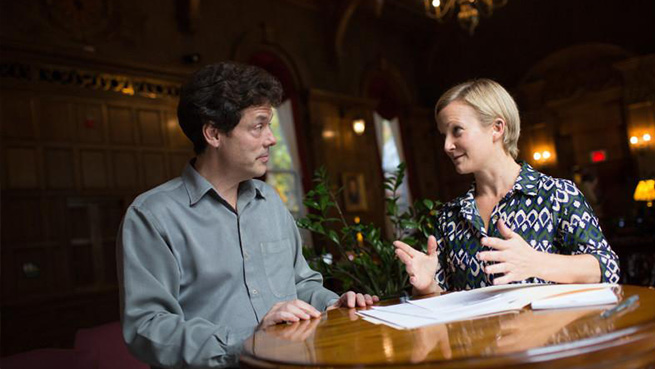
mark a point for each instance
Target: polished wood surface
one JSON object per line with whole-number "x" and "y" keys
{"x": 554, "y": 339}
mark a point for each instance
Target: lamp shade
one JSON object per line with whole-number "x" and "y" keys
{"x": 645, "y": 190}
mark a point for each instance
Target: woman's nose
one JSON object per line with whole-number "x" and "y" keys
{"x": 448, "y": 144}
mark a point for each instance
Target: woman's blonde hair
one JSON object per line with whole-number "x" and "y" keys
{"x": 491, "y": 101}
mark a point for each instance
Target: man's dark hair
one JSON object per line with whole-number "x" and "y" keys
{"x": 218, "y": 93}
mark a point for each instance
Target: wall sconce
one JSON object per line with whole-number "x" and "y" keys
{"x": 640, "y": 141}
{"x": 542, "y": 157}
{"x": 359, "y": 126}
{"x": 328, "y": 134}
{"x": 645, "y": 191}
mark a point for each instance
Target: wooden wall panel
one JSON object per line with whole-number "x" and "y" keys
{"x": 16, "y": 114}
{"x": 22, "y": 167}
{"x": 121, "y": 125}
{"x": 59, "y": 168}
{"x": 150, "y": 128}
{"x": 109, "y": 257}
{"x": 80, "y": 226}
{"x": 56, "y": 123}
{"x": 153, "y": 169}
{"x": 177, "y": 162}
{"x": 82, "y": 272}
{"x": 594, "y": 127}
{"x": 176, "y": 138}
{"x": 125, "y": 169}
{"x": 112, "y": 214}
{"x": 34, "y": 271}
{"x": 71, "y": 163}
{"x": 7, "y": 263}
{"x": 94, "y": 169}
{"x": 25, "y": 225}
{"x": 90, "y": 123}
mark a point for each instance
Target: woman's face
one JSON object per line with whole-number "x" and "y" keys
{"x": 467, "y": 142}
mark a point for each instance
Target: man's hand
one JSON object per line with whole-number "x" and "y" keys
{"x": 421, "y": 267}
{"x": 516, "y": 260}
{"x": 351, "y": 299}
{"x": 295, "y": 332}
{"x": 289, "y": 311}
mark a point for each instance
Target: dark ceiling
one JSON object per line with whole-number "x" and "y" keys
{"x": 520, "y": 35}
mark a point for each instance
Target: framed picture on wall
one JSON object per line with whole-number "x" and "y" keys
{"x": 354, "y": 192}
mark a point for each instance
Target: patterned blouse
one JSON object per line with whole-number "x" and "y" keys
{"x": 550, "y": 214}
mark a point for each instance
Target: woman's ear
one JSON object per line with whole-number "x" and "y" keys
{"x": 212, "y": 135}
{"x": 498, "y": 128}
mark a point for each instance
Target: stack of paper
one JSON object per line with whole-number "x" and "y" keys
{"x": 487, "y": 301}
{"x": 577, "y": 299}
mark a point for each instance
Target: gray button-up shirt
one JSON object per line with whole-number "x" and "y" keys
{"x": 197, "y": 277}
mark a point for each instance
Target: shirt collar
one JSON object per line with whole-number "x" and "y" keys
{"x": 467, "y": 203}
{"x": 197, "y": 186}
{"x": 527, "y": 182}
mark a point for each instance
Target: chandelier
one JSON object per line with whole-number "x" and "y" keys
{"x": 468, "y": 11}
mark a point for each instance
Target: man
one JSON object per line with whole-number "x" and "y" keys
{"x": 207, "y": 257}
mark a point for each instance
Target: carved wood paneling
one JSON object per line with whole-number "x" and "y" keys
{"x": 17, "y": 117}
{"x": 34, "y": 270}
{"x": 56, "y": 123}
{"x": 59, "y": 168}
{"x": 94, "y": 169}
{"x": 126, "y": 174}
{"x": 88, "y": 79}
{"x": 90, "y": 123}
{"x": 150, "y": 127}
{"x": 22, "y": 167}
{"x": 122, "y": 129}
{"x": 25, "y": 225}
{"x": 154, "y": 169}
{"x": 176, "y": 138}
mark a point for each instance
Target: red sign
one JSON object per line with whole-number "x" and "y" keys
{"x": 598, "y": 156}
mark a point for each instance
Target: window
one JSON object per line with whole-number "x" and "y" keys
{"x": 391, "y": 153}
{"x": 283, "y": 168}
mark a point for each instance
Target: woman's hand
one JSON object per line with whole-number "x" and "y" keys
{"x": 421, "y": 267}
{"x": 516, "y": 260}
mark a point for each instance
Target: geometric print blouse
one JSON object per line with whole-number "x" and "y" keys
{"x": 550, "y": 214}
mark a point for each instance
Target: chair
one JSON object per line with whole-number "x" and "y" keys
{"x": 106, "y": 344}
{"x": 50, "y": 359}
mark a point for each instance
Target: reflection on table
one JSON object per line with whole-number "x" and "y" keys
{"x": 553, "y": 338}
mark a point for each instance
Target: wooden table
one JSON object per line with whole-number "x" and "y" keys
{"x": 547, "y": 339}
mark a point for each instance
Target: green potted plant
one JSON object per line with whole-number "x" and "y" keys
{"x": 365, "y": 260}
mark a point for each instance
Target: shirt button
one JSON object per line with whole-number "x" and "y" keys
{"x": 246, "y": 255}
{"x": 254, "y": 291}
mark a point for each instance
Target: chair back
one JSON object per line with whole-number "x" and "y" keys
{"x": 107, "y": 344}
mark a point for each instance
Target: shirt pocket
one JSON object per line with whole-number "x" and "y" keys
{"x": 278, "y": 265}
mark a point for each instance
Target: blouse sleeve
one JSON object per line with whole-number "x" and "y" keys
{"x": 579, "y": 232}
{"x": 442, "y": 276}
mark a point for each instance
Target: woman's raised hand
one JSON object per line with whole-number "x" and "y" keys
{"x": 421, "y": 267}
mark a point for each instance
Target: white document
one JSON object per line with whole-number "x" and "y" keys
{"x": 482, "y": 302}
{"x": 577, "y": 299}
{"x": 398, "y": 321}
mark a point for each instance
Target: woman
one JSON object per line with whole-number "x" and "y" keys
{"x": 515, "y": 224}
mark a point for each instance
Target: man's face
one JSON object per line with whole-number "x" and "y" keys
{"x": 245, "y": 150}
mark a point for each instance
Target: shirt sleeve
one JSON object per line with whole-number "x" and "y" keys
{"x": 579, "y": 231}
{"x": 154, "y": 326}
{"x": 442, "y": 276}
{"x": 309, "y": 283}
